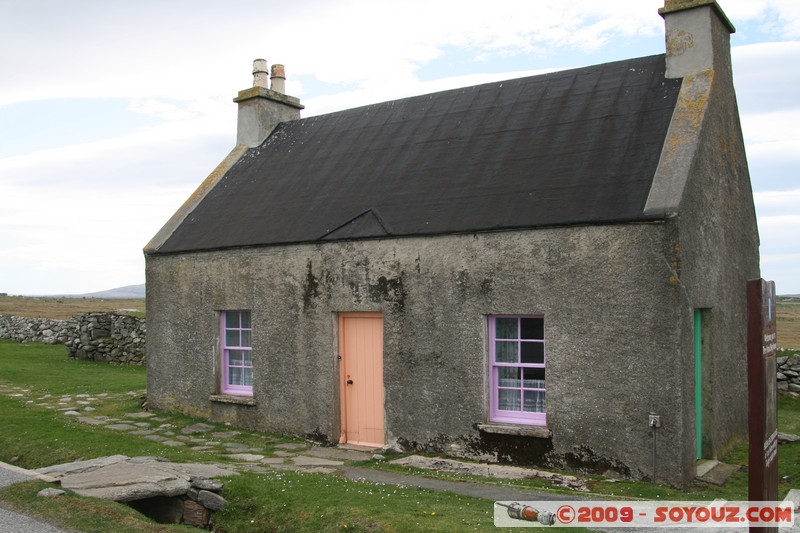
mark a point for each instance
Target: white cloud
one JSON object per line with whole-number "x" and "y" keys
{"x": 79, "y": 214}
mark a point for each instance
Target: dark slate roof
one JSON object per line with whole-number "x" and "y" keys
{"x": 573, "y": 147}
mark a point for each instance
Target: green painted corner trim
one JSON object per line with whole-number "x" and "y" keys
{"x": 698, "y": 380}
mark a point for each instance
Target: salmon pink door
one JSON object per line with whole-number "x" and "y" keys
{"x": 361, "y": 373}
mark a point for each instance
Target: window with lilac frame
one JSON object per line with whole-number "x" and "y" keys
{"x": 237, "y": 359}
{"x": 517, "y": 369}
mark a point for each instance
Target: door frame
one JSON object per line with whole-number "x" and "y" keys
{"x": 341, "y": 317}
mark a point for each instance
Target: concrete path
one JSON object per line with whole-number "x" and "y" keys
{"x": 13, "y": 522}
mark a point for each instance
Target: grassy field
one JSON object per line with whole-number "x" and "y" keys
{"x": 61, "y": 308}
{"x": 276, "y": 500}
{"x": 789, "y": 323}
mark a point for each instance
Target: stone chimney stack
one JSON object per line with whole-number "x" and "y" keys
{"x": 262, "y": 108}
{"x": 698, "y": 37}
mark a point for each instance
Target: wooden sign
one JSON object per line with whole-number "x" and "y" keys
{"x": 762, "y": 347}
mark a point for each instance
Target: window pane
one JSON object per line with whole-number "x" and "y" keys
{"x": 247, "y": 377}
{"x": 247, "y": 359}
{"x": 234, "y": 358}
{"x": 506, "y": 328}
{"x": 235, "y": 376}
{"x": 533, "y": 352}
{"x": 231, "y": 319}
{"x": 245, "y": 319}
{"x": 508, "y": 377}
{"x": 231, "y": 338}
{"x": 506, "y": 352}
{"x": 532, "y": 328}
{"x": 533, "y": 378}
{"x": 534, "y": 402}
{"x": 246, "y": 341}
{"x": 508, "y": 400}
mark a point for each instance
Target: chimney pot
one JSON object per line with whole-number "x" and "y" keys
{"x": 260, "y": 73}
{"x": 278, "y": 78}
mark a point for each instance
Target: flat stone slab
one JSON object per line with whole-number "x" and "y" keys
{"x": 290, "y": 446}
{"x": 197, "y": 428}
{"x": 225, "y": 434}
{"x": 304, "y": 460}
{"x": 249, "y": 457}
{"x": 285, "y": 454}
{"x": 140, "y": 414}
{"x": 720, "y": 474}
{"x": 121, "y": 478}
{"x": 491, "y": 470}
{"x": 157, "y": 438}
{"x": 121, "y": 427}
{"x": 91, "y": 421}
{"x": 173, "y": 443}
{"x": 338, "y": 453}
{"x": 272, "y": 461}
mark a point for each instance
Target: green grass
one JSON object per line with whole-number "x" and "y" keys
{"x": 47, "y": 369}
{"x": 276, "y": 500}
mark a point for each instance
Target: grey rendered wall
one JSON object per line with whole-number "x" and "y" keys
{"x": 608, "y": 294}
{"x": 719, "y": 241}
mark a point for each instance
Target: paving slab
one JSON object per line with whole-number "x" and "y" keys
{"x": 720, "y": 474}
{"x": 305, "y": 460}
{"x": 173, "y": 443}
{"x": 491, "y": 470}
{"x": 91, "y": 421}
{"x": 236, "y": 447}
{"x": 338, "y": 453}
{"x": 225, "y": 434}
{"x": 140, "y": 414}
{"x": 197, "y": 428}
{"x": 284, "y": 454}
{"x": 290, "y": 446}
{"x": 249, "y": 457}
{"x": 143, "y": 432}
{"x": 123, "y": 478}
{"x": 121, "y": 427}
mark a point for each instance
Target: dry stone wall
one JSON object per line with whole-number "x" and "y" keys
{"x": 105, "y": 337}
{"x": 789, "y": 373}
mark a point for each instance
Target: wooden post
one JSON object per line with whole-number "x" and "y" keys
{"x": 762, "y": 388}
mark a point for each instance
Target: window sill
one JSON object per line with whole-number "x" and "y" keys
{"x": 540, "y": 432}
{"x": 232, "y": 398}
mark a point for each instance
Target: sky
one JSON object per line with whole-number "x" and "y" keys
{"x": 113, "y": 111}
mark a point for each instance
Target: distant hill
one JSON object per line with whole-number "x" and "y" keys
{"x": 129, "y": 291}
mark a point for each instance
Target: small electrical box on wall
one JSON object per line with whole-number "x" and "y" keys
{"x": 654, "y": 420}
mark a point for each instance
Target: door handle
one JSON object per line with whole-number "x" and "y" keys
{"x": 349, "y": 381}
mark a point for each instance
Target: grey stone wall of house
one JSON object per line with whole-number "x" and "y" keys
{"x": 718, "y": 241}
{"x": 105, "y": 337}
{"x": 608, "y": 298}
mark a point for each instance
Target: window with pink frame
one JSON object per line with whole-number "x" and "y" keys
{"x": 237, "y": 359}
{"x": 517, "y": 369}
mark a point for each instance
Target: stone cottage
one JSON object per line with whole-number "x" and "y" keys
{"x": 525, "y": 270}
